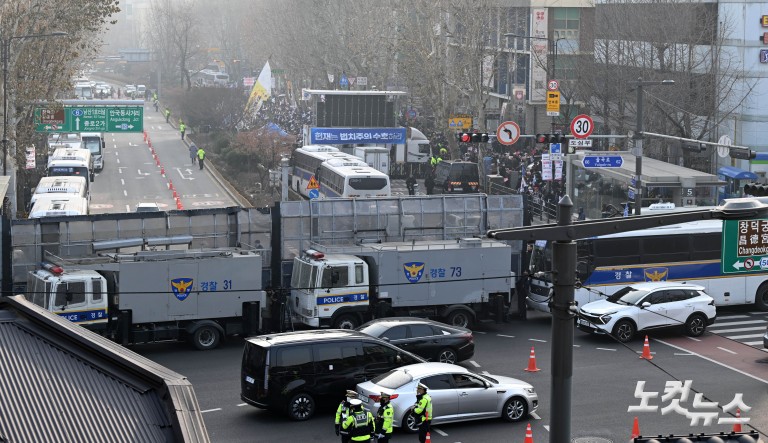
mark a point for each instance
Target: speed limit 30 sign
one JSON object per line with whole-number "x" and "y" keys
{"x": 582, "y": 126}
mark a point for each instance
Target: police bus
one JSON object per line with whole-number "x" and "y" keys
{"x": 350, "y": 177}
{"x": 685, "y": 252}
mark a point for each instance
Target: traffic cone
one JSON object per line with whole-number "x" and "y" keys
{"x": 635, "y": 429}
{"x": 145, "y": 135}
{"x": 646, "y": 350}
{"x": 532, "y": 362}
{"x": 429, "y": 438}
{"x": 170, "y": 185}
{"x": 162, "y": 171}
{"x": 737, "y": 425}
{"x": 178, "y": 204}
{"x": 528, "y": 434}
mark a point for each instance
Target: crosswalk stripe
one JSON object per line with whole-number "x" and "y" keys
{"x": 736, "y": 323}
{"x": 727, "y": 331}
{"x": 739, "y": 337}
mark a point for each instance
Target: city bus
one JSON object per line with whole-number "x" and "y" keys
{"x": 686, "y": 252}
{"x": 350, "y": 177}
{"x": 305, "y": 162}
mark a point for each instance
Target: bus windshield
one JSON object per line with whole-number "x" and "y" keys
{"x": 367, "y": 183}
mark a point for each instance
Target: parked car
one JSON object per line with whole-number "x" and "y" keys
{"x": 297, "y": 372}
{"x": 147, "y": 207}
{"x": 646, "y": 306}
{"x": 430, "y": 339}
{"x": 457, "y": 394}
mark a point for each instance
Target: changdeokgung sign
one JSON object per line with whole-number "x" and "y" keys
{"x": 329, "y": 136}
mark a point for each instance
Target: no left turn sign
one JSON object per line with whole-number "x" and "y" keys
{"x": 508, "y": 133}
{"x": 582, "y": 126}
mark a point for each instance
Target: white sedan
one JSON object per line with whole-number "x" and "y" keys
{"x": 647, "y": 306}
{"x": 457, "y": 394}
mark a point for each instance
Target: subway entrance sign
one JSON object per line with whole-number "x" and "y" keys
{"x": 745, "y": 246}
{"x": 90, "y": 119}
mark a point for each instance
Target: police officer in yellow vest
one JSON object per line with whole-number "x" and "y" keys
{"x": 342, "y": 412}
{"x": 360, "y": 422}
{"x": 384, "y": 417}
{"x": 423, "y": 411}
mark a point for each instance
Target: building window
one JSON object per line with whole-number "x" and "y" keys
{"x": 566, "y": 23}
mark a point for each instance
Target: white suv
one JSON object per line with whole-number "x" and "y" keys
{"x": 646, "y": 306}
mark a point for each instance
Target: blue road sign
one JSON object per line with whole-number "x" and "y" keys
{"x": 313, "y": 194}
{"x": 603, "y": 161}
{"x": 555, "y": 148}
{"x": 633, "y": 181}
{"x": 631, "y": 194}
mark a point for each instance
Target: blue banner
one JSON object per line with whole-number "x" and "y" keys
{"x": 329, "y": 136}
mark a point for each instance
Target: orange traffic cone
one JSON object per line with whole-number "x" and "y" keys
{"x": 429, "y": 438}
{"x": 532, "y": 362}
{"x": 528, "y": 434}
{"x": 646, "y": 350}
{"x": 635, "y": 429}
{"x": 737, "y": 425}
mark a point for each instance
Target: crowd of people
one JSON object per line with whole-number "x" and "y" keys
{"x": 285, "y": 115}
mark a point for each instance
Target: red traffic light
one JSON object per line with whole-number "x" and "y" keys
{"x": 465, "y": 137}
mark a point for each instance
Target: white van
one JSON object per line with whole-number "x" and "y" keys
{"x": 58, "y": 205}
{"x": 60, "y": 186}
{"x": 94, "y": 142}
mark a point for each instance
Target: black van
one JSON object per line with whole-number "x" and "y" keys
{"x": 456, "y": 177}
{"x": 297, "y": 372}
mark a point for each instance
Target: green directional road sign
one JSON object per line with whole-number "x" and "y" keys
{"x": 90, "y": 119}
{"x": 745, "y": 246}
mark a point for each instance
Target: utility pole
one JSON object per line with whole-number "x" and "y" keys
{"x": 638, "y": 137}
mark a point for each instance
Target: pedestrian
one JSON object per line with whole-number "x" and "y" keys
{"x": 429, "y": 183}
{"x": 423, "y": 411}
{"x": 410, "y": 183}
{"x": 167, "y": 115}
{"x": 200, "y": 157}
{"x": 384, "y": 417}
{"x": 582, "y": 215}
{"x": 359, "y": 423}
{"x": 157, "y": 106}
{"x": 182, "y": 129}
{"x": 342, "y": 412}
{"x": 193, "y": 152}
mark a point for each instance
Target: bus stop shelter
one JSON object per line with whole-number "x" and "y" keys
{"x": 601, "y": 189}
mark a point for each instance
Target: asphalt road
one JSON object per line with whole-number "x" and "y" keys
{"x": 605, "y": 378}
{"x": 132, "y": 174}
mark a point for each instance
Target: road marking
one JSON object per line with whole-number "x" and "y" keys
{"x": 680, "y": 353}
{"x": 125, "y": 193}
{"x": 486, "y": 373}
{"x": 474, "y": 363}
{"x": 736, "y": 323}
{"x": 738, "y": 337}
{"x": 117, "y": 160}
{"x": 535, "y": 415}
{"x": 730, "y": 317}
{"x": 726, "y": 331}
{"x": 576, "y": 346}
{"x": 692, "y": 338}
{"x": 242, "y": 404}
{"x": 127, "y": 208}
{"x": 546, "y": 427}
{"x": 210, "y": 410}
{"x": 507, "y": 336}
{"x": 439, "y": 432}
{"x": 715, "y": 362}
{"x": 536, "y": 339}
{"x": 727, "y": 350}
{"x": 605, "y": 349}
{"x": 122, "y": 181}
{"x": 479, "y": 332}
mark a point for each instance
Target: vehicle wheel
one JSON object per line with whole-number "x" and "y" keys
{"x": 624, "y": 331}
{"x": 206, "y": 337}
{"x": 515, "y": 409}
{"x": 301, "y": 407}
{"x": 410, "y": 425}
{"x": 696, "y": 325}
{"x": 761, "y": 300}
{"x": 346, "y": 321}
{"x": 447, "y": 355}
{"x": 462, "y": 318}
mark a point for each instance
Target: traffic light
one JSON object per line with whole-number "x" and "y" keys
{"x": 472, "y": 137}
{"x": 722, "y": 437}
{"x": 550, "y": 138}
{"x": 756, "y": 189}
{"x": 742, "y": 153}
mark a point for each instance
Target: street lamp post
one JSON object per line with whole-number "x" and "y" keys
{"x": 6, "y": 52}
{"x": 638, "y": 137}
